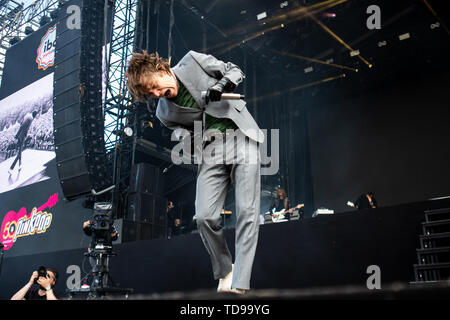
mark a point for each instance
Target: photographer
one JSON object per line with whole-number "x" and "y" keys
{"x": 46, "y": 279}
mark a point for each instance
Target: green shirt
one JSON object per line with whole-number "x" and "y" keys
{"x": 185, "y": 99}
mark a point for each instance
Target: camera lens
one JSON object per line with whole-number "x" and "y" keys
{"x": 42, "y": 272}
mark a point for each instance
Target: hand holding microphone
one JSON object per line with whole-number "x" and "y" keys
{"x": 216, "y": 92}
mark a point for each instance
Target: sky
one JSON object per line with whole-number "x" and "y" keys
{"x": 26, "y": 2}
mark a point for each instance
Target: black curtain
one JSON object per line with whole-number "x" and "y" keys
{"x": 277, "y": 108}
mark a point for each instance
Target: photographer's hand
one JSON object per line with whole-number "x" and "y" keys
{"x": 44, "y": 282}
{"x": 86, "y": 224}
{"x": 33, "y": 277}
{"x": 20, "y": 295}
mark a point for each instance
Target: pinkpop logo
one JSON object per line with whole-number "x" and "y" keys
{"x": 46, "y": 50}
{"x": 20, "y": 224}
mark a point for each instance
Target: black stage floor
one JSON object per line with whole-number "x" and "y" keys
{"x": 397, "y": 291}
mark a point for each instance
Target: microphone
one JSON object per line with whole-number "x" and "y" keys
{"x": 227, "y": 96}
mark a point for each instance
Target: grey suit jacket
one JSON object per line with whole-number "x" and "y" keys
{"x": 198, "y": 71}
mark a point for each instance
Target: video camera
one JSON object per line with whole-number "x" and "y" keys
{"x": 102, "y": 217}
{"x": 102, "y": 222}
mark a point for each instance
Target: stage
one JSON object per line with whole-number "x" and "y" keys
{"x": 352, "y": 98}
{"x": 321, "y": 257}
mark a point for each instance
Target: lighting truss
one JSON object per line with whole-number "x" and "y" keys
{"x": 14, "y": 18}
{"x": 117, "y": 100}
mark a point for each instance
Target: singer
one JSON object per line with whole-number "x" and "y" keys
{"x": 181, "y": 102}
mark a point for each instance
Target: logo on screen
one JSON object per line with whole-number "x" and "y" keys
{"x": 22, "y": 224}
{"x": 46, "y": 50}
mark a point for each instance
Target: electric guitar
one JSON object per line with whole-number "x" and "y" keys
{"x": 278, "y": 216}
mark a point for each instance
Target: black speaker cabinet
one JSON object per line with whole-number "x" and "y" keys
{"x": 134, "y": 231}
{"x": 146, "y": 178}
{"x": 78, "y": 114}
{"x": 145, "y": 207}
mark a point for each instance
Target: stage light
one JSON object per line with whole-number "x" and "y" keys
{"x": 440, "y": 21}
{"x": 435, "y": 25}
{"x": 382, "y": 44}
{"x": 309, "y": 69}
{"x": 324, "y": 27}
{"x": 329, "y": 15}
{"x": 28, "y": 30}
{"x": 14, "y": 40}
{"x": 307, "y": 85}
{"x": 287, "y": 17}
{"x": 404, "y": 36}
{"x": 354, "y": 53}
{"x": 328, "y": 62}
{"x": 261, "y": 16}
{"x": 128, "y": 131}
{"x": 283, "y": 4}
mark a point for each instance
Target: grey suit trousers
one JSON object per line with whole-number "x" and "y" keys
{"x": 239, "y": 166}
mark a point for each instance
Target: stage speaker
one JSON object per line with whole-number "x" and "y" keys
{"x": 146, "y": 178}
{"x": 77, "y": 97}
{"x": 145, "y": 207}
{"x": 134, "y": 231}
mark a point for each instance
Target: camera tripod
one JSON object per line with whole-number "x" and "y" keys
{"x": 99, "y": 288}
{"x": 101, "y": 253}
{"x": 100, "y": 271}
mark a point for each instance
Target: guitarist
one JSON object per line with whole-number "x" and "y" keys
{"x": 281, "y": 202}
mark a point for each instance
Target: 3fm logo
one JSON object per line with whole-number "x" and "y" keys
{"x": 20, "y": 224}
{"x": 46, "y": 50}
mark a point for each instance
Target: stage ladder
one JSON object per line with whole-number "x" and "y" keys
{"x": 434, "y": 253}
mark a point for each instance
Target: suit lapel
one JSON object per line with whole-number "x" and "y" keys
{"x": 187, "y": 72}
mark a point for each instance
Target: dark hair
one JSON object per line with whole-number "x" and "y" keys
{"x": 55, "y": 272}
{"x": 283, "y": 192}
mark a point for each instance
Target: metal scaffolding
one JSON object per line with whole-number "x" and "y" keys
{"x": 14, "y": 18}
{"x": 118, "y": 104}
{"x": 117, "y": 99}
